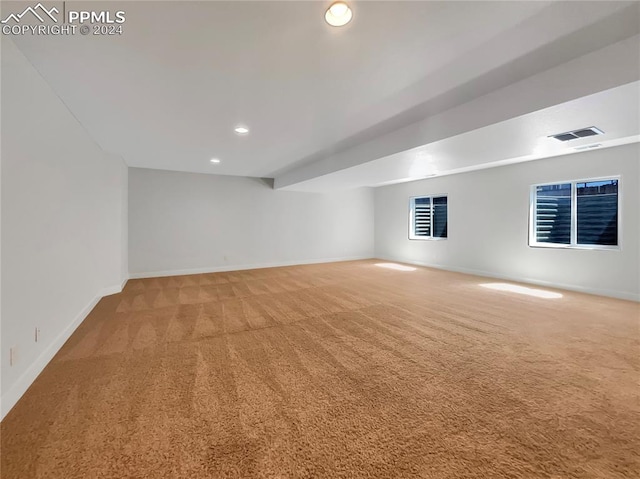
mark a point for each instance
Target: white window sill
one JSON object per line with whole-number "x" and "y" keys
{"x": 427, "y": 239}
{"x": 568, "y": 246}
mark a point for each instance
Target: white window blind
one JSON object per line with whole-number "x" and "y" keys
{"x": 575, "y": 214}
{"x": 428, "y": 217}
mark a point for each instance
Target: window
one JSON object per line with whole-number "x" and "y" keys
{"x": 428, "y": 217}
{"x": 575, "y": 214}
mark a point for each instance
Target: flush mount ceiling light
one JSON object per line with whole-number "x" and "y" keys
{"x": 214, "y": 161}
{"x": 241, "y": 130}
{"x": 338, "y": 14}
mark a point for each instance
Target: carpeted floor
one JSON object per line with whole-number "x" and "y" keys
{"x": 343, "y": 370}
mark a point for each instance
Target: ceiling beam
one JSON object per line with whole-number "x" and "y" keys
{"x": 615, "y": 65}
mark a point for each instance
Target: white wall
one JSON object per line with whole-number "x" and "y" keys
{"x": 488, "y": 224}
{"x": 63, "y": 209}
{"x": 189, "y": 222}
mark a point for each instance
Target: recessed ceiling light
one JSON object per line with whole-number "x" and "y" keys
{"x": 241, "y": 130}
{"x": 214, "y": 160}
{"x": 338, "y": 14}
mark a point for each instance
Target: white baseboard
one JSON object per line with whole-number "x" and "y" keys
{"x": 11, "y": 397}
{"x": 114, "y": 289}
{"x": 537, "y": 282}
{"x": 225, "y": 268}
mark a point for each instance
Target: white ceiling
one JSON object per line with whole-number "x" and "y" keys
{"x": 616, "y": 112}
{"x": 167, "y": 93}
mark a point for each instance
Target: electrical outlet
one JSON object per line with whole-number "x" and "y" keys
{"x": 12, "y": 356}
{"x": 37, "y": 336}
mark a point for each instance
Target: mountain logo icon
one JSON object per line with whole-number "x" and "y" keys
{"x": 39, "y": 11}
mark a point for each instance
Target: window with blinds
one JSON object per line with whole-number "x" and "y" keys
{"x": 575, "y": 214}
{"x": 428, "y": 217}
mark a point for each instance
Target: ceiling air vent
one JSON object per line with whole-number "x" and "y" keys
{"x": 575, "y": 134}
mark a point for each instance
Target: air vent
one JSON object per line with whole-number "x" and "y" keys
{"x": 565, "y": 137}
{"x": 575, "y": 134}
{"x": 587, "y": 132}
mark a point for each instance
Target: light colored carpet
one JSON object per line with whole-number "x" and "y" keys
{"x": 343, "y": 370}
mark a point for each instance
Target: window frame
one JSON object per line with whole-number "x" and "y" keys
{"x": 412, "y": 205}
{"x": 574, "y": 216}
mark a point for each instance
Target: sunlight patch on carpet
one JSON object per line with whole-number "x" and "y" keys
{"x": 396, "y": 267}
{"x": 514, "y": 288}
